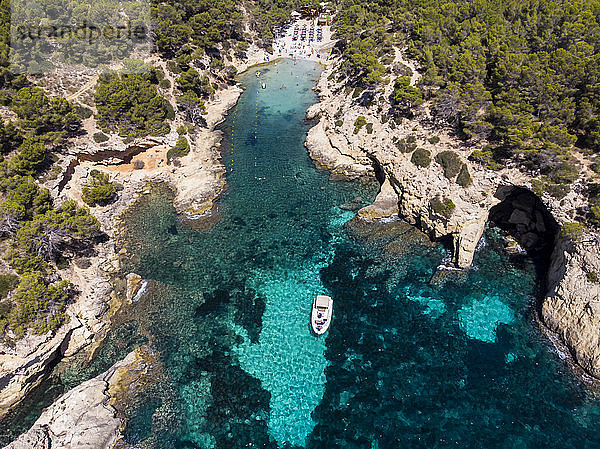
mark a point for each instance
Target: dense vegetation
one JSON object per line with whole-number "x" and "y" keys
{"x": 521, "y": 75}
{"x": 38, "y": 234}
{"x": 421, "y": 157}
{"x": 442, "y": 206}
{"x": 450, "y": 162}
{"x": 131, "y": 105}
{"x": 92, "y": 21}
{"x": 181, "y": 148}
{"x": 189, "y": 29}
{"x": 99, "y": 190}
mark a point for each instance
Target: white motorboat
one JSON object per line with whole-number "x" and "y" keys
{"x": 322, "y": 311}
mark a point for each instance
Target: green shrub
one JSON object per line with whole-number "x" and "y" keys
{"x": 339, "y": 123}
{"x": 357, "y": 91}
{"x": 464, "y": 177}
{"x": 483, "y": 157}
{"x": 434, "y": 140}
{"x": 181, "y": 148}
{"x": 369, "y": 128}
{"x": 25, "y": 263}
{"x": 405, "y": 147}
{"x": 191, "y": 80}
{"x": 544, "y": 185}
{"x": 565, "y": 173}
{"x": 450, "y": 162}
{"x": 100, "y": 137}
{"x": 39, "y": 306}
{"x": 182, "y": 130}
{"x": 33, "y": 156}
{"x": 83, "y": 112}
{"x": 359, "y": 123}
{"x": 5, "y": 309}
{"x": 54, "y": 173}
{"x": 164, "y": 84}
{"x": 7, "y": 283}
{"x": 411, "y": 139}
{"x": 572, "y": 231}
{"x": 593, "y": 277}
{"x": 558, "y": 191}
{"x": 173, "y": 67}
{"x": 131, "y": 106}
{"x": 41, "y": 114}
{"x": 404, "y": 97}
{"x": 421, "y": 157}
{"x": 10, "y": 137}
{"x": 537, "y": 186}
{"x": 442, "y": 206}
{"x": 99, "y": 190}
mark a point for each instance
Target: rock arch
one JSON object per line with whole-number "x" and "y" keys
{"x": 526, "y": 218}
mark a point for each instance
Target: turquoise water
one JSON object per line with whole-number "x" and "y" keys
{"x": 414, "y": 357}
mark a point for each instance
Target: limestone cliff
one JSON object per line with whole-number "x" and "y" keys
{"x": 572, "y": 306}
{"x": 336, "y": 145}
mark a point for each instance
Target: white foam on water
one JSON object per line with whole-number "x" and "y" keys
{"x": 141, "y": 291}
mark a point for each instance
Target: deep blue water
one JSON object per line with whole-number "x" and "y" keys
{"x": 414, "y": 357}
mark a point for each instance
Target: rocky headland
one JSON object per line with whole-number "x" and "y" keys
{"x": 353, "y": 138}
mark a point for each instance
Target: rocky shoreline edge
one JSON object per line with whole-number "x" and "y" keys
{"x": 197, "y": 181}
{"x": 569, "y": 313}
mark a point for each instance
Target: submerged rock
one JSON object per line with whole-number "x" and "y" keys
{"x": 384, "y": 206}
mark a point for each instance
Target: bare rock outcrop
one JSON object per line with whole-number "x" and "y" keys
{"x": 22, "y": 365}
{"x": 89, "y": 416}
{"x": 335, "y": 153}
{"x": 80, "y": 419}
{"x": 385, "y": 204}
{"x": 572, "y": 306}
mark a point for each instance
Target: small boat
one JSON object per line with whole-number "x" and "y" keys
{"x": 264, "y": 86}
{"x": 320, "y": 317}
{"x": 258, "y": 73}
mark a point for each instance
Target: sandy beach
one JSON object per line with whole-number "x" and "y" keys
{"x": 297, "y": 41}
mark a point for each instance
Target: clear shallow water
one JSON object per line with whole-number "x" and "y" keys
{"x": 413, "y": 358}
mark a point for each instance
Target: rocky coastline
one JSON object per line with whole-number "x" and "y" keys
{"x": 197, "y": 180}
{"x": 570, "y": 310}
